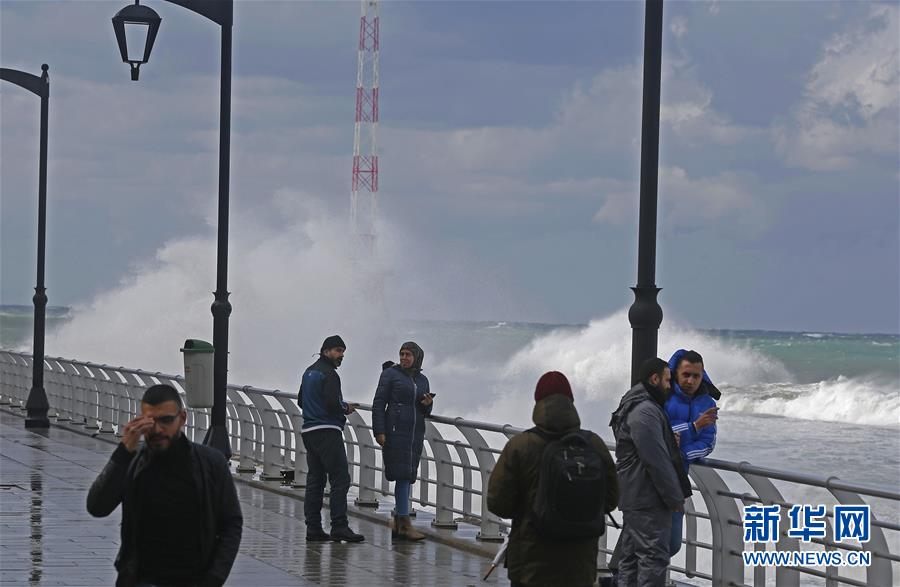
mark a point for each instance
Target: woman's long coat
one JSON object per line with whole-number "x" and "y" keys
{"x": 397, "y": 413}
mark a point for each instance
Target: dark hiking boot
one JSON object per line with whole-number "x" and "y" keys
{"x": 345, "y": 534}
{"x": 317, "y": 535}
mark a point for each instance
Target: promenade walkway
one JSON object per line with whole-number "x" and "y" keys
{"x": 48, "y": 538}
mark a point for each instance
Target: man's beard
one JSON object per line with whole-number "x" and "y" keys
{"x": 157, "y": 449}
{"x": 659, "y": 394}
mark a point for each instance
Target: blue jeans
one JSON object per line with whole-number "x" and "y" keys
{"x": 326, "y": 459}
{"x": 677, "y": 526}
{"x": 402, "y": 490}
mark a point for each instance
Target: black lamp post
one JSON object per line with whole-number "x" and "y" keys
{"x": 645, "y": 314}
{"x": 143, "y": 20}
{"x": 37, "y": 405}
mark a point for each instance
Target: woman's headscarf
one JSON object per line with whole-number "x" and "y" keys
{"x": 418, "y": 355}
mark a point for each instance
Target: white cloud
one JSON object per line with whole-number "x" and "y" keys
{"x": 598, "y": 119}
{"x": 679, "y": 26}
{"x": 850, "y": 104}
{"x": 687, "y": 204}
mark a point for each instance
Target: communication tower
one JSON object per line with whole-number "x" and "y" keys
{"x": 364, "y": 193}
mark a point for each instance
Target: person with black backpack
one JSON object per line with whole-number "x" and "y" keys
{"x": 557, "y": 483}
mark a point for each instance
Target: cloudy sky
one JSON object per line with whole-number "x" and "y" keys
{"x": 509, "y": 143}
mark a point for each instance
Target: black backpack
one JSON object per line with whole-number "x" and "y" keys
{"x": 569, "y": 503}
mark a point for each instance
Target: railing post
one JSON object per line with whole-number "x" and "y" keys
{"x": 92, "y": 396}
{"x": 78, "y": 381}
{"x": 367, "y": 451}
{"x": 26, "y": 380}
{"x": 769, "y": 495}
{"x": 124, "y": 400}
{"x": 247, "y": 443}
{"x": 107, "y": 400}
{"x": 465, "y": 464}
{"x": 56, "y": 381}
{"x": 7, "y": 378}
{"x": 291, "y": 421}
{"x": 490, "y": 524}
{"x": 443, "y": 464}
{"x": 880, "y": 571}
{"x": 690, "y": 538}
{"x": 728, "y": 543}
{"x": 271, "y": 454}
{"x": 133, "y": 388}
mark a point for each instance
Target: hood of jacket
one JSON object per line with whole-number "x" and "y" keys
{"x": 706, "y": 387}
{"x": 418, "y": 355}
{"x": 556, "y": 414}
{"x": 633, "y": 396}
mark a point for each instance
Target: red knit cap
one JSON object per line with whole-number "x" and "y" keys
{"x": 552, "y": 383}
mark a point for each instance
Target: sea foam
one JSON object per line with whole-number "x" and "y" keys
{"x": 866, "y": 401}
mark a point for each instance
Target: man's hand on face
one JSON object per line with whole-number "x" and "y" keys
{"x": 707, "y": 418}
{"x": 132, "y": 431}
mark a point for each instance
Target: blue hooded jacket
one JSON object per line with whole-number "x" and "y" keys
{"x": 320, "y": 397}
{"x": 684, "y": 409}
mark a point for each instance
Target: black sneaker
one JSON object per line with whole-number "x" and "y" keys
{"x": 345, "y": 534}
{"x": 317, "y": 535}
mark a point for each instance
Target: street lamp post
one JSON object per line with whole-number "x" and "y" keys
{"x": 145, "y": 22}
{"x": 645, "y": 313}
{"x": 37, "y": 405}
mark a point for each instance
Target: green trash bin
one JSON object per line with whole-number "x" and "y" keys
{"x": 198, "y": 373}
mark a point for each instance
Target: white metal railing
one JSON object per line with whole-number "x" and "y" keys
{"x": 457, "y": 462}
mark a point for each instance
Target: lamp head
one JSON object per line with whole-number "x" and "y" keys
{"x": 136, "y": 27}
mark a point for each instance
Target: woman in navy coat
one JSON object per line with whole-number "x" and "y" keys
{"x": 402, "y": 401}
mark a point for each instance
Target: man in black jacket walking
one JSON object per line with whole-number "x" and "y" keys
{"x": 181, "y": 519}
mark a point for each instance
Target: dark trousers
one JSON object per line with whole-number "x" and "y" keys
{"x": 677, "y": 532}
{"x": 674, "y": 543}
{"x": 326, "y": 459}
{"x": 646, "y": 535}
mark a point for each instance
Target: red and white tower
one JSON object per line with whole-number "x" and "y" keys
{"x": 365, "y": 134}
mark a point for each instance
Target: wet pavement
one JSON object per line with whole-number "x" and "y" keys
{"x": 48, "y": 538}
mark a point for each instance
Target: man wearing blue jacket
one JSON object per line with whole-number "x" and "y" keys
{"x": 693, "y": 413}
{"x": 324, "y": 416}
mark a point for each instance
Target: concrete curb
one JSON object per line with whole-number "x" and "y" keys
{"x": 439, "y": 535}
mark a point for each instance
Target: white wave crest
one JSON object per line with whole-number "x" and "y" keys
{"x": 292, "y": 285}
{"x": 597, "y": 361}
{"x": 849, "y": 400}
